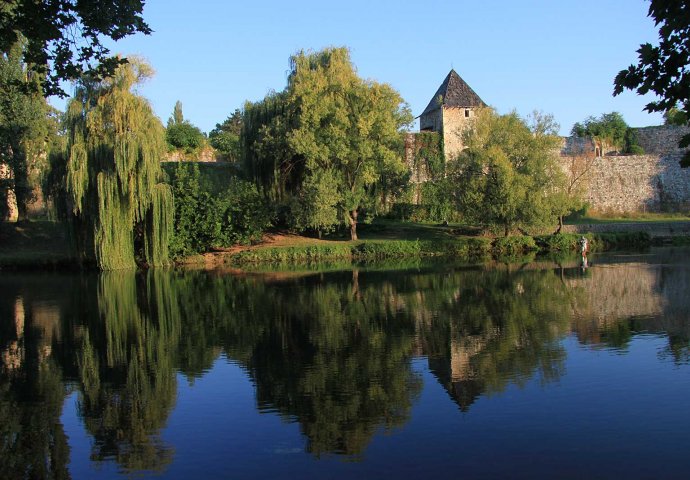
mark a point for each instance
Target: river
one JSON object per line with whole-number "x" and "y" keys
{"x": 540, "y": 369}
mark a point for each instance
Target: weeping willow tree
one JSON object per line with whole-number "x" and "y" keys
{"x": 268, "y": 159}
{"x": 119, "y": 209}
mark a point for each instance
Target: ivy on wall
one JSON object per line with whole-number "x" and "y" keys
{"x": 428, "y": 152}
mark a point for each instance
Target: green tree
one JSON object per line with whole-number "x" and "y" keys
{"x": 225, "y": 138}
{"x": 64, "y": 37}
{"x": 25, "y": 125}
{"x": 663, "y": 69}
{"x": 674, "y": 116}
{"x": 345, "y": 125}
{"x": 608, "y": 130}
{"x": 119, "y": 210}
{"x": 508, "y": 175}
{"x": 184, "y": 136}
{"x": 181, "y": 134}
{"x": 177, "y": 117}
{"x": 267, "y": 157}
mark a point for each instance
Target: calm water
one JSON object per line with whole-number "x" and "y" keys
{"x": 520, "y": 371}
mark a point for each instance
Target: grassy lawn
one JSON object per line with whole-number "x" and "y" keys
{"x": 385, "y": 229}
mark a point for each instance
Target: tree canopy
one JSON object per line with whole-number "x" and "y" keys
{"x": 508, "y": 176}
{"x": 608, "y": 130}
{"x": 64, "y": 37}
{"x": 664, "y": 69}
{"x": 673, "y": 116}
{"x": 119, "y": 210}
{"x": 337, "y": 133}
{"x": 225, "y": 138}
{"x": 25, "y": 126}
{"x": 181, "y": 134}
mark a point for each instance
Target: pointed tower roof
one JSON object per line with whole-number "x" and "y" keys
{"x": 454, "y": 92}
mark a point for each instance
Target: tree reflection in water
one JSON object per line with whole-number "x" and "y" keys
{"x": 125, "y": 360}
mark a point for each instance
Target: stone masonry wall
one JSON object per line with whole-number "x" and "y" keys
{"x": 576, "y": 146}
{"x": 206, "y": 155}
{"x": 612, "y": 183}
{"x": 640, "y": 183}
{"x": 662, "y": 139}
{"x": 9, "y": 209}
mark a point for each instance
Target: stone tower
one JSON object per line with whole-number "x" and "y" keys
{"x": 450, "y": 111}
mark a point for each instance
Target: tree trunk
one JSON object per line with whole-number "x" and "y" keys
{"x": 560, "y": 225}
{"x": 353, "y": 224}
{"x": 506, "y": 230}
{"x": 22, "y": 189}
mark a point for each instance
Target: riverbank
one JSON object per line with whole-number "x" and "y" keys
{"x": 398, "y": 240}
{"x": 45, "y": 245}
{"x": 471, "y": 249}
{"x": 38, "y": 245}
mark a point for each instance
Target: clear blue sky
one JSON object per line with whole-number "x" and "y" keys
{"x": 557, "y": 56}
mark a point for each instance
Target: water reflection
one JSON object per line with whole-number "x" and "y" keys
{"x": 126, "y": 372}
{"x": 331, "y": 352}
{"x": 496, "y": 328}
{"x": 32, "y": 439}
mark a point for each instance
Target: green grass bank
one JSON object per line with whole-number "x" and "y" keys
{"x": 466, "y": 248}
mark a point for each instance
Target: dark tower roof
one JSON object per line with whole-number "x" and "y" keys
{"x": 454, "y": 92}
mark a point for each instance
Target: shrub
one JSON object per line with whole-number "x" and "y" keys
{"x": 560, "y": 242}
{"x": 402, "y": 211}
{"x": 564, "y": 242}
{"x": 636, "y": 150}
{"x": 610, "y": 241}
{"x": 204, "y": 220}
{"x": 388, "y": 248}
{"x": 513, "y": 245}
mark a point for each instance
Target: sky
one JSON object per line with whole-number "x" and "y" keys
{"x": 556, "y": 56}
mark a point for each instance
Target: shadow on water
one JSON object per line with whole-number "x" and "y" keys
{"x": 330, "y": 351}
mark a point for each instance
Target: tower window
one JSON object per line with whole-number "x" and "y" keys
{"x": 467, "y": 113}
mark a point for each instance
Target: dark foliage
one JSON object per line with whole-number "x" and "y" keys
{"x": 64, "y": 36}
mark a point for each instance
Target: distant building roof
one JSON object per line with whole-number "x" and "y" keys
{"x": 454, "y": 92}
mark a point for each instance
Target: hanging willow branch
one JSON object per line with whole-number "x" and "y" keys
{"x": 120, "y": 211}
{"x": 268, "y": 159}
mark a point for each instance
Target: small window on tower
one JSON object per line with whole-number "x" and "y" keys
{"x": 467, "y": 113}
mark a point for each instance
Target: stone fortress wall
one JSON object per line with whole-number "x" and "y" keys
{"x": 611, "y": 183}
{"x": 651, "y": 182}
